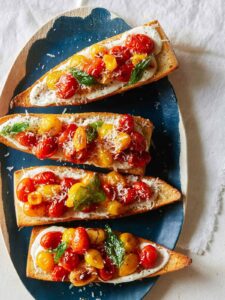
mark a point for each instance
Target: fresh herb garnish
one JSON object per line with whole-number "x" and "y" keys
{"x": 139, "y": 69}
{"x": 114, "y": 247}
{"x": 59, "y": 251}
{"x": 14, "y": 128}
{"x": 83, "y": 77}
{"x": 88, "y": 194}
{"x": 92, "y": 130}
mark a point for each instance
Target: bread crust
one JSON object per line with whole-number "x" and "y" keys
{"x": 166, "y": 62}
{"x": 176, "y": 261}
{"x": 167, "y": 195}
{"x": 146, "y": 125}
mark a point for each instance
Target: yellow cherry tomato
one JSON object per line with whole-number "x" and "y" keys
{"x": 110, "y": 62}
{"x": 104, "y": 158}
{"x": 49, "y": 190}
{"x": 98, "y": 50}
{"x": 136, "y": 58}
{"x": 93, "y": 258}
{"x": 129, "y": 265}
{"x": 80, "y": 139}
{"x": 130, "y": 242}
{"x": 38, "y": 210}
{"x": 83, "y": 275}
{"x": 96, "y": 235}
{"x": 34, "y": 198}
{"x": 105, "y": 130}
{"x": 122, "y": 141}
{"x": 114, "y": 178}
{"x": 50, "y": 124}
{"x": 115, "y": 208}
{"x": 52, "y": 78}
{"x": 68, "y": 235}
{"x": 78, "y": 190}
{"x": 79, "y": 61}
{"x": 45, "y": 261}
{"x": 87, "y": 178}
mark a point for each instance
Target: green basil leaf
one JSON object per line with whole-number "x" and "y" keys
{"x": 96, "y": 124}
{"x": 92, "y": 130}
{"x": 59, "y": 251}
{"x": 14, "y": 128}
{"x": 139, "y": 69}
{"x": 83, "y": 77}
{"x": 114, "y": 247}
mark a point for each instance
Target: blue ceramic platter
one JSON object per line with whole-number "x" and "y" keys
{"x": 156, "y": 101}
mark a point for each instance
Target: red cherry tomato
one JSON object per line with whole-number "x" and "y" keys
{"x": 143, "y": 190}
{"x": 148, "y": 256}
{"x": 67, "y": 134}
{"x": 46, "y": 177}
{"x": 140, "y": 43}
{"x": 24, "y": 188}
{"x": 67, "y": 182}
{"x": 96, "y": 67}
{"x": 128, "y": 195}
{"x": 46, "y": 147}
{"x": 89, "y": 208}
{"x": 111, "y": 191}
{"x": 80, "y": 243}
{"x": 67, "y": 86}
{"x": 123, "y": 72}
{"x": 51, "y": 239}
{"x": 27, "y": 139}
{"x": 59, "y": 274}
{"x": 108, "y": 271}
{"x": 126, "y": 124}
{"x": 138, "y": 160}
{"x": 56, "y": 209}
{"x": 121, "y": 53}
{"x": 138, "y": 142}
{"x": 70, "y": 260}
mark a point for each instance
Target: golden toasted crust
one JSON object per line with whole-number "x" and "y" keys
{"x": 166, "y": 61}
{"x": 176, "y": 262}
{"x": 146, "y": 125}
{"x": 167, "y": 195}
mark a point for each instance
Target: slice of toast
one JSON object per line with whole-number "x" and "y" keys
{"x": 176, "y": 260}
{"x": 165, "y": 194}
{"x": 145, "y": 125}
{"x": 166, "y": 63}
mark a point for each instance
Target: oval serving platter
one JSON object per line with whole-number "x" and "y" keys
{"x": 54, "y": 42}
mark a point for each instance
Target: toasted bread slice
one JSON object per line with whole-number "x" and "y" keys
{"x": 163, "y": 194}
{"x": 166, "y": 63}
{"x": 176, "y": 261}
{"x": 144, "y": 125}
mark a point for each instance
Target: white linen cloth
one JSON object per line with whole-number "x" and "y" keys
{"x": 197, "y": 32}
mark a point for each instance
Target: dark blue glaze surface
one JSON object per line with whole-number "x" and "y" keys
{"x": 156, "y": 101}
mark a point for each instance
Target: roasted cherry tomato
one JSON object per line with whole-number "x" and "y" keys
{"x": 123, "y": 72}
{"x": 56, "y": 209}
{"x": 143, "y": 190}
{"x": 138, "y": 142}
{"x": 111, "y": 191}
{"x": 128, "y": 195}
{"x": 121, "y": 53}
{"x": 67, "y": 182}
{"x": 70, "y": 260}
{"x": 138, "y": 160}
{"x": 24, "y": 188}
{"x": 59, "y": 274}
{"x": 96, "y": 67}
{"x": 126, "y": 124}
{"x": 27, "y": 139}
{"x": 46, "y": 147}
{"x": 67, "y": 134}
{"x": 148, "y": 256}
{"x": 80, "y": 243}
{"x": 108, "y": 271}
{"x": 140, "y": 43}
{"x": 51, "y": 239}
{"x": 67, "y": 86}
{"x": 89, "y": 208}
{"x": 46, "y": 177}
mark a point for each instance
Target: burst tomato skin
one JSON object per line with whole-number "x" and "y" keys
{"x": 80, "y": 243}
{"x": 96, "y": 67}
{"x": 108, "y": 271}
{"x": 46, "y": 177}
{"x": 111, "y": 191}
{"x": 70, "y": 260}
{"x": 46, "y": 147}
{"x": 67, "y": 86}
{"x": 128, "y": 196}
{"x": 126, "y": 124}
{"x": 27, "y": 139}
{"x": 138, "y": 160}
{"x": 140, "y": 43}
{"x": 138, "y": 142}
{"x": 143, "y": 190}
{"x": 67, "y": 134}
{"x": 51, "y": 239}
{"x": 24, "y": 188}
{"x": 122, "y": 73}
{"x": 66, "y": 183}
{"x": 56, "y": 209}
{"x": 59, "y": 274}
{"x": 148, "y": 256}
{"x": 121, "y": 53}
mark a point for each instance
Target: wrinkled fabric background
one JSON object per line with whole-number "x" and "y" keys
{"x": 197, "y": 32}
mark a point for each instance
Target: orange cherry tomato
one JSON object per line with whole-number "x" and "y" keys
{"x": 24, "y": 188}
{"x": 80, "y": 243}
